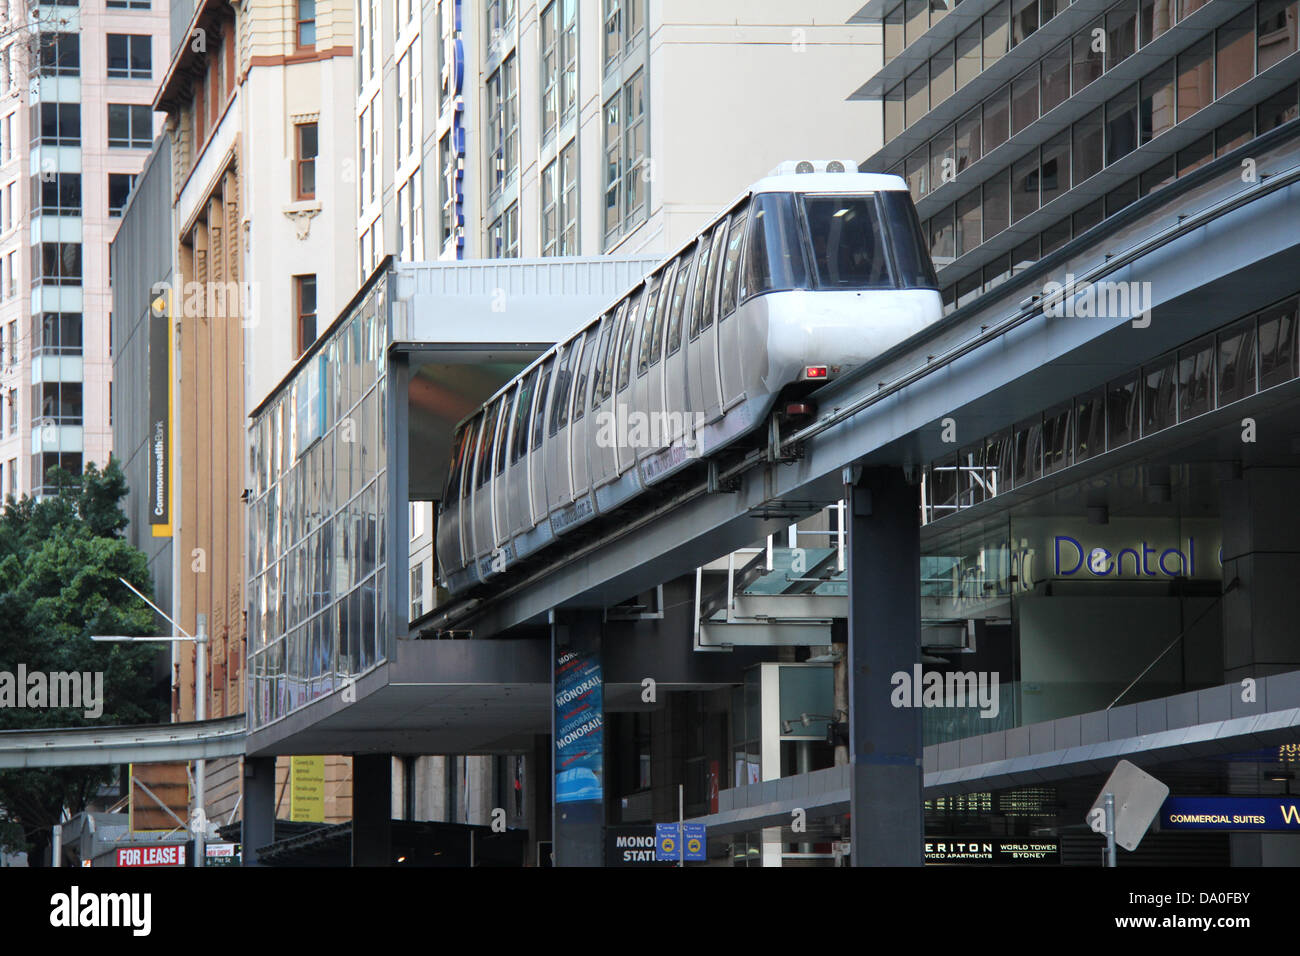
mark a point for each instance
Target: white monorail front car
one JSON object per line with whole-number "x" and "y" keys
{"x": 814, "y": 270}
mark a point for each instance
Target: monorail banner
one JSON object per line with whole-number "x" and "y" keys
{"x": 579, "y": 727}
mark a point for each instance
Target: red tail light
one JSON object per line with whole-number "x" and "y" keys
{"x": 815, "y": 371}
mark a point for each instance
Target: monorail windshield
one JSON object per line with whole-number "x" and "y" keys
{"x": 849, "y": 243}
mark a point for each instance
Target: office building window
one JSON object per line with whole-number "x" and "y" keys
{"x": 306, "y": 150}
{"x": 499, "y": 14}
{"x": 503, "y": 235}
{"x": 417, "y": 590}
{"x": 130, "y": 56}
{"x": 403, "y": 104}
{"x": 128, "y": 4}
{"x": 60, "y": 54}
{"x": 503, "y": 125}
{"x": 375, "y": 129}
{"x": 559, "y": 64}
{"x": 129, "y": 126}
{"x": 57, "y": 124}
{"x": 119, "y": 190}
{"x": 624, "y": 25}
{"x": 560, "y": 204}
{"x": 447, "y": 217}
{"x": 57, "y": 403}
{"x": 69, "y": 462}
{"x": 306, "y": 26}
{"x": 56, "y": 194}
{"x": 304, "y": 297}
{"x": 625, "y": 159}
{"x": 414, "y": 195}
{"x": 56, "y": 263}
{"x": 56, "y": 333}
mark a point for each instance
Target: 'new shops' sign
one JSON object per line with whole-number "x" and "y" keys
{"x": 1230, "y": 813}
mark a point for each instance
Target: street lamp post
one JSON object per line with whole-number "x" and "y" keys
{"x": 200, "y": 702}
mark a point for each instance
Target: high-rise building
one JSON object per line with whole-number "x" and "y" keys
{"x": 528, "y": 128}
{"x": 1022, "y": 124}
{"x": 76, "y": 84}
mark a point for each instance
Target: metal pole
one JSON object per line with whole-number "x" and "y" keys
{"x": 1110, "y": 829}
{"x": 681, "y": 824}
{"x": 56, "y": 846}
{"x": 201, "y": 713}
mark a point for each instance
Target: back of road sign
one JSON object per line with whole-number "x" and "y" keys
{"x": 1138, "y": 798}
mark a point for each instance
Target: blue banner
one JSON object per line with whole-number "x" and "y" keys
{"x": 1230, "y": 813}
{"x": 579, "y": 728}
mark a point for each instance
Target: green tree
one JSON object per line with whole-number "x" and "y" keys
{"x": 60, "y": 560}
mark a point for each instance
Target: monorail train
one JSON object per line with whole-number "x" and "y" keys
{"x": 813, "y": 270}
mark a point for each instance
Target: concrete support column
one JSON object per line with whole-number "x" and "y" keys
{"x": 537, "y": 795}
{"x": 884, "y": 637}
{"x": 372, "y": 808}
{"x": 578, "y": 733}
{"x": 1261, "y": 554}
{"x": 257, "y": 824}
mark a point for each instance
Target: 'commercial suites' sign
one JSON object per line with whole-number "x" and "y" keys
{"x": 1231, "y": 813}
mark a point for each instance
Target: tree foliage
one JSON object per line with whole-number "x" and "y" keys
{"x": 60, "y": 560}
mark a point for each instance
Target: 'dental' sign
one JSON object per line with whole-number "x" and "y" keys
{"x": 1140, "y": 560}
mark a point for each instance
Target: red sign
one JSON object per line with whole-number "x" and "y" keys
{"x": 151, "y": 856}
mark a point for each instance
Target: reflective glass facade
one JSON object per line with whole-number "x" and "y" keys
{"x": 317, "y": 542}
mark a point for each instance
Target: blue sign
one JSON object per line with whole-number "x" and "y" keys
{"x": 674, "y": 839}
{"x": 1230, "y": 813}
{"x": 579, "y": 728}
{"x": 695, "y": 842}
{"x": 668, "y": 843}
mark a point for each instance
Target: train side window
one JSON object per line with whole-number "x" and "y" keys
{"x": 661, "y": 313}
{"x": 589, "y": 346}
{"x": 608, "y": 359}
{"x": 453, "y": 475}
{"x": 539, "y": 411}
{"x": 484, "y": 470}
{"x": 563, "y": 378}
{"x": 468, "y": 457}
{"x": 503, "y": 438}
{"x": 522, "y": 410}
{"x": 577, "y": 349}
{"x": 628, "y": 340}
{"x": 711, "y": 280}
{"x": 680, "y": 290}
{"x": 700, "y": 273}
{"x": 774, "y": 258}
{"x": 599, "y": 357}
{"x": 731, "y": 264}
{"x": 648, "y": 324}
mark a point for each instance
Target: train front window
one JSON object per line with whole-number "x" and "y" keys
{"x": 911, "y": 255}
{"x": 847, "y": 242}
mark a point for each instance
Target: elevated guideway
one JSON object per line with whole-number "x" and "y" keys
{"x": 1233, "y": 246}
{"x": 136, "y": 743}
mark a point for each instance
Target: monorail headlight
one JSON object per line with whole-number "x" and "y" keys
{"x": 834, "y": 166}
{"x": 803, "y": 166}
